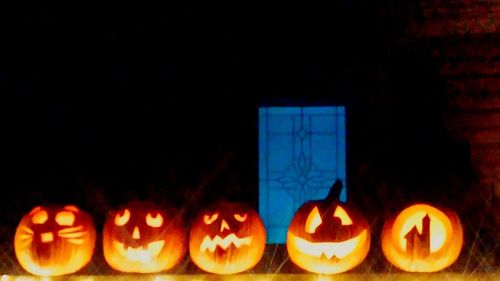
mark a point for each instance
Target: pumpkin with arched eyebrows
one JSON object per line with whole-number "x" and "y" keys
{"x": 54, "y": 240}
{"x": 422, "y": 238}
{"x": 141, "y": 237}
{"x": 328, "y": 236}
{"x": 227, "y": 238}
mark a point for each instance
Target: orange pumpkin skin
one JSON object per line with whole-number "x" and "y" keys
{"x": 227, "y": 238}
{"x": 422, "y": 238}
{"x": 141, "y": 237}
{"x": 328, "y": 236}
{"x": 54, "y": 240}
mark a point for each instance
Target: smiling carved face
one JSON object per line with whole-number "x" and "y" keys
{"x": 227, "y": 238}
{"x": 140, "y": 237}
{"x": 54, "y": 240}
{"x": 327, "y": 237}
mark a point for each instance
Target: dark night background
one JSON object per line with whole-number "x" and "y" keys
{"x": 101, "y": 105}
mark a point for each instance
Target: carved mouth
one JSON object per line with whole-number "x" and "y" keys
{"x": 142, "y": 254}
{"x": 328, "y": 250}
{"x": 224, "y": 243}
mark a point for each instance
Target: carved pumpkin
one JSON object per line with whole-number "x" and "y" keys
{"x": 227, "y": 238}
{"x": 327, "y": 236}
{"x": 54, "y": 240}
{"x": 422, "y": 238}
{"x": 143, "y": 238}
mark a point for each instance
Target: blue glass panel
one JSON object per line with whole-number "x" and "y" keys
{"x": 301, "y": 154}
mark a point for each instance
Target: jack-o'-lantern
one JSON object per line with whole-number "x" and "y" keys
{"x": 54, "y": 240}
{"x": 328, "y": 236}
{"x": 227, "y": 238}
{"x": 422, "y": 238}
{"x": 141, "y": 237}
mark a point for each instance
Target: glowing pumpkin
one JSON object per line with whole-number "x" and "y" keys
{"x": 422, "y": 238}
{"x": 327, "y": 236}
{"x": 227, "y": 238}
{"x": 54, "y": 240}
{"x": 143, "y": 238}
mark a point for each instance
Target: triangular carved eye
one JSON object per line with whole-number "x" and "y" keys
{"x": 313, "y": 221}
{"x": 342, "y": 215}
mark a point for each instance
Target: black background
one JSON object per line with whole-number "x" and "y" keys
{"x": 104, "y": 104}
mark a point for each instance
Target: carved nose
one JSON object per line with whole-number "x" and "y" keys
{"x": 47, "y": 237}
{"x": 224, "y": 225}
{"x": 136, "y": 234}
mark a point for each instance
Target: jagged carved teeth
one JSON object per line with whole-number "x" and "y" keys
{"x": 210, "y": 244}
{"x": 140, "y": 254}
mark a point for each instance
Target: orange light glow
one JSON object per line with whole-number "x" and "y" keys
{"x": 155, "y": 221}
{"x": 65, "y": 218}
{"x": 328, "y": 236}
{"x": 33, "y": 267}
{"x": 136, "y": 238}
{"x": 121, "y": 220}
{"x": 65, "y": 249}
{"x": 136, "y": 234}
{"x": 72, "y": 208}
{"x": 224, "y": 226}
{"x": 422, "y": 238}
{"x": 140, "y": 254}
{"x": 342, "y": 215}
{"x": 47, "y": 237}
{"x": 328, "y": 249}
{"x": 241, "y": 218}
{"x": 438, "y": 226}
{"x": 209, "y": 219}
{"x": 328, "y": 257}
{"x": 448, "y": 276}
{"x": 227, "y": 238}
{"x": 313, "y": 221}
{"x": 40, "y": 216}
{"x": 231, "y": 239}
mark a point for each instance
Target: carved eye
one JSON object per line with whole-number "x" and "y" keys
{"x": 210, "y": 219}
{"x": 122, "y": 219}
{"x": 342, "y": 215}
{"x": 65, "y": 218}
{"x": 313, "y": 221}
{"x": 40, "y": 216}
{"x": 155, "y": 221}
{"x": 241, "y": 218}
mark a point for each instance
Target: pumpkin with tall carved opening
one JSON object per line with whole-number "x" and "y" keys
{"x": 422, "y": 238}
{"x": 227, "y": 238}
{"x": 141, "y": 237}
{"x": 328, "y": 236}
{"x": 54, "y": 240}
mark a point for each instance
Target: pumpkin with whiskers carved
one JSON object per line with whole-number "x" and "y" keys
{"x": 54, "y": 240}
{"x": 227, "y": 238}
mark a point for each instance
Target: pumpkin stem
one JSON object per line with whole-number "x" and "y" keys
{"x": 335, "y": 190}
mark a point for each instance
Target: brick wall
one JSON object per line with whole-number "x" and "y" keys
{"x": 466, "y": 40}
